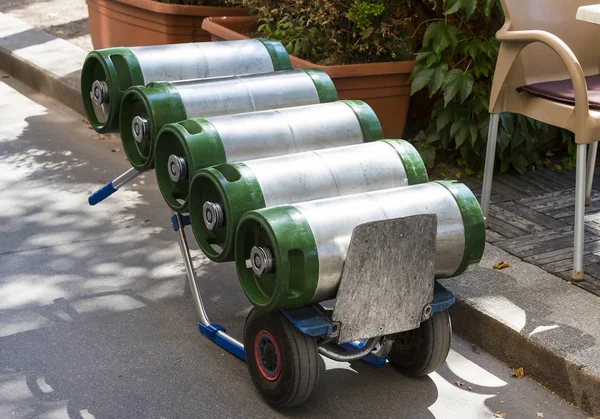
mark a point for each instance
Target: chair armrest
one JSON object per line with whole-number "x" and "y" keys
{"x": 515, "y": 41}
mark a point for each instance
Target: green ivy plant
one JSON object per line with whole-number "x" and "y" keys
{"x": 456, "y": 64}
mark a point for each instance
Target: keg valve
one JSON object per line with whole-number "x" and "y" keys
{"x": 177, "y": 168}
{"x": 213, "y": 215}
{"x": 140, "y": 129}
{"x": 99, "y": 92}
{"x": 261, "y": 260}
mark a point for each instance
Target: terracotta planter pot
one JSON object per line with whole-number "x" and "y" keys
{"x": 384, "y": 86}
{"x": 117, "y": 23}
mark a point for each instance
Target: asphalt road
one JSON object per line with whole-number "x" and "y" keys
{"x": 96, "y": 320}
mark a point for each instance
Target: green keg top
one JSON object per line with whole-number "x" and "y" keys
{"x": 369, "y": 123}
{"x": 236, "y": 189}
{"x": 160, "y": 103}
{"x": 325, "y": 87}
{"x": 414, "y": 167}
{"x": 473, "y": 224}
{"x": 279, "y": 56}
{"x": 196, "y": 140}
{"x": 286, "y": 233}
{"x": 120, "y": 69}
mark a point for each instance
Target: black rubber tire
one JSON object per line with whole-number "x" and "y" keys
{"x": 421, "y": 351}
{"x": 299, "y": 359}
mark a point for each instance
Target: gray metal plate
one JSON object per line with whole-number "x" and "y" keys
{"x": 388, "y": 277}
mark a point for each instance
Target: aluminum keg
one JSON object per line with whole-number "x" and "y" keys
{"x": 188, "y": 146}
{"x": 146, "y": 109}
{"x": 293, "y": 255}
{"x": 108, "y": 73}
{"x": 220, "y": 195}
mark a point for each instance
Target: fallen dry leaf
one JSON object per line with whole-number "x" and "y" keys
{"x": 501, "y": 265}
{"x": 539, "y": 414}
{"x": 460, "y": 383}
{"x": 518, "y": 373}
{"x": 500, "y": 414}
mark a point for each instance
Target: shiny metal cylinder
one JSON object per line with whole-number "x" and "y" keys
{"x": 256, "y": 92}
{"x": 116, "y": 69}
{"x": 201, "y": 60}
{"x": 164, "y": 103}
{"x": 210, "y": 141}
{"x": 285, "y": 131}
{"x": 327, "y": 173}
{"x": 309, "y": 241}
{"x": 333, "y": 220}
{"x": 240, "y": 187}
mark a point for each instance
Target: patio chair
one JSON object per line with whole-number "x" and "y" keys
{"x": 548, "y": 69}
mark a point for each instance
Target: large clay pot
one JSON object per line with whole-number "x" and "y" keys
{"x": 116, "y": 23}
{"x": 384, "y": 86}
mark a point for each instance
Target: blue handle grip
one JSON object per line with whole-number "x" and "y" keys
{"x": 102, "y": 193}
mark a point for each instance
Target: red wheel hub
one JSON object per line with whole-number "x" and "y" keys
{"x": 267, "y": 355}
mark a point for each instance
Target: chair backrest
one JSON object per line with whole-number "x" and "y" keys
{"x": 539, "y": 63}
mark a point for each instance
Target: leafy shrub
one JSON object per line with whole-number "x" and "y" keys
{"x": 334, "y": 32}
{"x": 298, "y": 38}
{"x": 455, "y": 63}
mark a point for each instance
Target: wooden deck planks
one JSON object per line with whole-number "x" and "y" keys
{"x": 531, "y": 217}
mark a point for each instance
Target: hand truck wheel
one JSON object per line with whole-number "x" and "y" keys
{"x": 282, "y": 361}
{"x": 421, "y": 351}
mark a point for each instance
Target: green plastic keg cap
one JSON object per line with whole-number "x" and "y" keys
{"x": 198, "y": 143}
{"x": 279, "y": 56}
{"x": 325, "y": 87}
{"x": 158, "y": 104}
{"x": 284, "y": 232}
{"x": 369, "y": 123}
{"x": 473, "y": 224}
{"x": 119, "y": 69}
{"x": 414, "y": 167}
{"x": 235, "y": 189}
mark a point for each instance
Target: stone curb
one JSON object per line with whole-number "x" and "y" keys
{"x": 44, "y": 62}
{"x": 568, "y": 380}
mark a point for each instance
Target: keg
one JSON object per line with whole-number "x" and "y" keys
{"x": 108, "y": 73}
{"x": 188, "y": 146}
{"x": 220, "y": 195}
{"x": 146, "y": 109}
{"x": 293, "y": 255}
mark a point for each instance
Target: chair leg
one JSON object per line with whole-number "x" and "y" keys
{"x": 577, "y": 273}
{"x": 490, "y": 155}
{"x": 591, "y": 165}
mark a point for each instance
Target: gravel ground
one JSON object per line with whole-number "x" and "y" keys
{"x": 66, "y": 19}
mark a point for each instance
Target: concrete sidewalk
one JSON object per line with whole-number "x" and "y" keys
{"x": 522, "y": 315}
